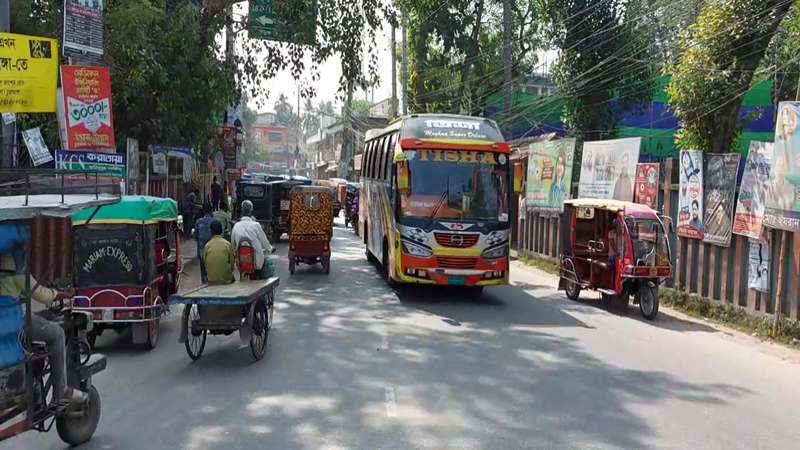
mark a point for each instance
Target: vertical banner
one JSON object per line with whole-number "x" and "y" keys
{"x": 720, "y": 192}
{"x": 160, "y": 163}
{"x": 28, "y": 73}
{"x": 608, "y": 168}
{"x": 87, "y": 101}
{"x": 646, "y": 185}
{"x": 758, "y": 264}
{"x": 783, "y": 189}
{"x": 747, "y": 221}
{"x": 549, "y": 175}
{"x": 83, "y": 30}
{"x": 690, "y": 195}
{"x": 132, "y": 172}
{"x": 37, "y": 149}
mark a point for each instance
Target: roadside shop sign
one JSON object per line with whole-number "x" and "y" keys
{"x": 87, "y": 104}
{"x": 83, "y": 30}
{"x": 608, "y": 168}
{"x": 106, "y": 164}
{"x": 720, "y": 193}
{"x": 37, "y": 149}
{"x": 646, "y": 184}
{"x": 28, "y": 71}
{"x": 690, "y": 195}
{"x": 747, "y": 221}
{"x": 549, "y": 175}
{"x": 283, "y": 20}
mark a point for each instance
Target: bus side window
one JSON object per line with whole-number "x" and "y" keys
{"x": 379, "y": 163}
{"x": 373, "y": 161}
{"x": 364, "y": 159}
{"x": 387, "y": 157}
{"x": 369, "y": 161}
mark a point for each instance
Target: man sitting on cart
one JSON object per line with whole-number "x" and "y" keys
{"x": 12, "y": 284}
{"x": 218, "y": 255}
{"x": 248, "y": 228}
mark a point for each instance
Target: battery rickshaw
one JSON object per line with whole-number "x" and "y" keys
{"x": 280, "y": 205}
{"x": 126, "y": 265}
{"x": 310, "y": 226}
{"x": 26, "y": 388}
{"x": 619, "y": 249}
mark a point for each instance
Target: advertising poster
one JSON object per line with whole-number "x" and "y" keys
{"x": 132, "y": 169}
{"x": 83, "y": 30}
{"x": 749, "y": 214}
{"x": 160, "y": 163}
{"x": 106, "y": 164}
{"x": 783, "y": 189}
{"x": 758, "y": 267}
{"x": 646, "y": 185}
{"x": 37, "y": 149}
{"x": 549, "y": 175}
{"x": 28, "y": 71}
{"x": 720, "y": 192}
{"x": 87, "y": 101}
{"x": 690, "y": 195}
{"x": 608, "y": 169}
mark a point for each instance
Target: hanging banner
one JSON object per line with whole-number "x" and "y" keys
{"x": 720, "y": 192}
{"x": 83, "y": 30}
{"x": 758, "y": 267}
{"x": 783, "y": 189}
{"x": 646, "y": 185}
{"x": 549, "y": 175}
{"x": 36, "y": 146}
{"x": 160, "y": 163}
{"x": 690, "y": 195}
{"x": 9, "y": 118}
{"x": 132, "y": 169}
{"x": 608, "y": 168}
{"x": 28, "y": 70}
{"x": 87, "y": 101}
{"x": 749, "y": 214}
{"x": 105, "y": 164}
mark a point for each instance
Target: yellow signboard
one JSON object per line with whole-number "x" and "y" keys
{"x": 28, "y": 71}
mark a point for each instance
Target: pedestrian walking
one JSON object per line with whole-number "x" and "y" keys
{"x": 216, "y": 193}
{"x": 188, "y": 211}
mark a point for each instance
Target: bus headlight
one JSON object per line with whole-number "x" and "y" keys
{"x": 413, "y": 249}
{"x": 495, "y": 252}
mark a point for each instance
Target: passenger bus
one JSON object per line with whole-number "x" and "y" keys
{"x": 434, "y": 201}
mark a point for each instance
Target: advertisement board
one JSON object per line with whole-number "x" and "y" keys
{"x": 37, "y": 149}
{"x": 608, "y": 168}
{"x": 132, "y": 169}
{"x": 646, "y": 184}
{"x": 28, "y": 71}
{"x": 87, "y": 104}
{"x": 83, "y": 30}
{"x": 549, "y": 175}
{"x": 690, "y": 195}
{"x": 106, "y": 164}
{"x": 782, "y": 209}
{"x": 720, "y": 192}
{"x": 747, "y": 221}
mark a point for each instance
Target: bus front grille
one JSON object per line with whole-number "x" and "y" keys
{"x": 455, "y": 240}
{"x": 449, "y": 262}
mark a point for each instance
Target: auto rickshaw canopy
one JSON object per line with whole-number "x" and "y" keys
{"x": 131, "y": 209}
{"x": 611, "y": 205}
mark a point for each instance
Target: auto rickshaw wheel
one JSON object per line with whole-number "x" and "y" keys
{"x": 195, "y": 338}
{"x": 572, "y": 290}
{"x": 76, "y": 425}
{"x": 648, "y": 299}
{"x": 152, "y": 334}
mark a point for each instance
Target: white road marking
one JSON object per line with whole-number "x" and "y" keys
{"x": 384, "y": 337}
{"x": 391, "y": 403}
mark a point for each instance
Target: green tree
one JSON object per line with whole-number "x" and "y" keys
{"x": 284, "y": 112}
{"x": 360, "y": 108}
{"x": 716, "y": 68}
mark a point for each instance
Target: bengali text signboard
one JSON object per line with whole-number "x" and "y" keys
{"x": 549, "y": 175}
{"x": 283, "y": 20}
{"x": 87, "y": 101}
{"x": 720, "y": 192}
{"x": 608, "y": 168}
{"x": 105, "y": 164}
{"x": 747, "y": 221}
{"x": 83, "y": 30}
{"x": 28, "y": 71}
{"x": 646, "y": 184}
{"x": 690, "y": 195}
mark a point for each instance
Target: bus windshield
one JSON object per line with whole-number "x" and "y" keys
{"x": 455, "y": 185}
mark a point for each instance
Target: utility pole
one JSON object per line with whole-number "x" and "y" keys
{"x": 347, "y": 133}
{"x": 229, "y": 40}
{"x": 404, "y": 59}
{"x": 507, "y": 65}
{"x": 7, "y": 132}
{"x": 393, "y": 49}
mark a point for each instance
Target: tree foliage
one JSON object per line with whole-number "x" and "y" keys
{"x": 716, "y": 68}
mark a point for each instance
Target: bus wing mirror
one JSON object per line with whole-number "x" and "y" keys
{"x": 518, "y": 177}
{"x": 402, "y": 178}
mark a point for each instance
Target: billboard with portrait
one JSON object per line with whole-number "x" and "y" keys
{"x": 549, "y": 175}
{"x": 608, "y": 169}
{"x": 646, "y": 185}
{"x": 782, "y": 202}
{"x": 720, "y": 191}
{"x": 749, "y": 214}
{"x": 690, "y": 195}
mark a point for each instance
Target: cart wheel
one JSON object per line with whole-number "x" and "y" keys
{"x": 258, "y": 340}
{"x": 291, "y": 265}
{"x": 648, "y": 299}
{"x": 572, "y": 290}
{"x": 152, "y": 334}
{"x": 195, "y": 337}
{"x": 76, "y": 426}
{"x": 326, "y": 265}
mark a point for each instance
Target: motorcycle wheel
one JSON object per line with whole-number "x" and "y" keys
{"x": 648, "y": 299}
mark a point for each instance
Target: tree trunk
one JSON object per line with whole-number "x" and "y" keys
{"x": 420, "y": 66}
{"x": 471, "y": 54}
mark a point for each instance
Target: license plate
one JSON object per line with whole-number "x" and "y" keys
{"x": 284, "y": 205}
{"x": 108, "y": 314}
{"x": 456, "y": 280}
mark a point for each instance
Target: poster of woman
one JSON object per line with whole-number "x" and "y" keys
{"x": 747, "y": 221}
{"x": 783, "y": 189}
{"x": 690, "y": 195}
{"x": 720, "y": 190}
{"x": 549, "y": 175}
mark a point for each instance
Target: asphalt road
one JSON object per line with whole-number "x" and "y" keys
{"x": 354, "y": 364}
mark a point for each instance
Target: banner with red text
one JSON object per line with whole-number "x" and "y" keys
{"x": 87, "y": 104}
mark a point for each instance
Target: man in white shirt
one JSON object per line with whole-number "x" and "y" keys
{"x": 249, "y": 228}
